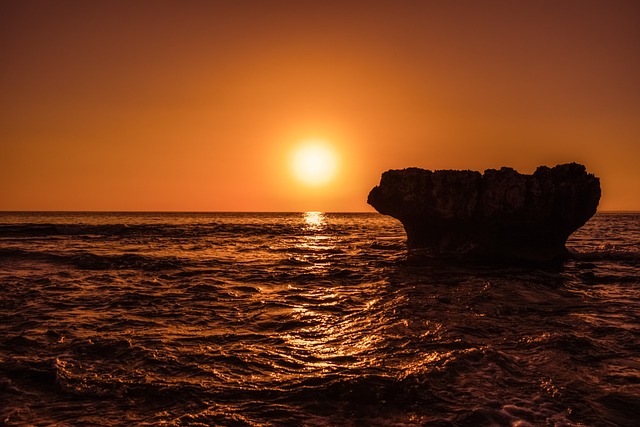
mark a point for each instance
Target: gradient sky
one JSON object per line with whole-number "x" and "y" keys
{"x": 196, "y": 105}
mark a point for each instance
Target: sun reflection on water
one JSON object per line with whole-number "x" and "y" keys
{"x": 327, "y": 338}
{"x": 330, "y": 340}
{"x": 314, "y": 245}
{"x": 315, "y": 221}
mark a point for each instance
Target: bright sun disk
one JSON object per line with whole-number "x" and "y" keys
{"x": 314, "y": 163}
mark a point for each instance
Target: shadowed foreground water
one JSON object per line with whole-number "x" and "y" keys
{"x": 307, "y": 319}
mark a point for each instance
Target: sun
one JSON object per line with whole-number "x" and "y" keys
{"x": 314, "y": 162}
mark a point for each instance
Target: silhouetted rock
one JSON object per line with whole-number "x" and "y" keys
{"x": 499, "y": 214}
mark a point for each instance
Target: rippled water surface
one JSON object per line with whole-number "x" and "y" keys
{"x": 307, "y": 319}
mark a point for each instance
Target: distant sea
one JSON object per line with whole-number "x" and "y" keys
{"x": 310, "y": 319}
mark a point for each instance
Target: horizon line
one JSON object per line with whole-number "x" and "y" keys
{"x": 236, "y": 211}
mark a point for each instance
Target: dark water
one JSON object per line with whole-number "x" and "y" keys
{"x": 307, "y": 319}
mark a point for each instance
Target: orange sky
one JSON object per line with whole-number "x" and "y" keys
{"x": 196, "y": 105}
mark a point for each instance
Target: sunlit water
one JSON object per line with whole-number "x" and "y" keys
{"x": 307, "y": 319}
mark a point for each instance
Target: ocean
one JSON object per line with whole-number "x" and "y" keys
{"x": 307, "y": 319}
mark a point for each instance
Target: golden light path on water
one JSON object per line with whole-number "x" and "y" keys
{"x": 335, "y": 338}
{"x": 314, "y": 220}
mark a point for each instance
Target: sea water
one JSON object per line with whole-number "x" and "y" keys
{"x": 247, "y": 319}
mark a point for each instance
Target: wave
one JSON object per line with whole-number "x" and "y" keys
{"x": 44, "y": 230}
{"x": 427, "y": 392}
{"x": 91, "y": 261}
{"x": 164, "y": 230}
{"x": 608, "y": 252}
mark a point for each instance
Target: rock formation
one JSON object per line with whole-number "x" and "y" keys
{"x": 499, "y": 214}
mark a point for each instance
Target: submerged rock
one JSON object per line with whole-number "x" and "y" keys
{"x": 499, "y": 214}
